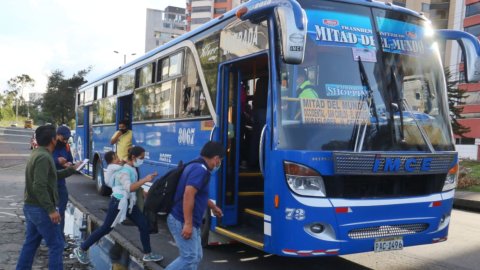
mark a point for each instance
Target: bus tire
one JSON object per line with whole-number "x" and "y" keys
{"x": 205, "y": 229}
{"x": 100, "y": 179}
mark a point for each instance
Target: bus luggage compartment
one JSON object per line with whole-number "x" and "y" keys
{"x": 416, "y": 220}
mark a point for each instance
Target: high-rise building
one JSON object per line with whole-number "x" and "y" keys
{"x": 471, "y": 109}
{"x": 163, "y": 26}
{"x": 444, "y": 14}
{"x": 202, "y": 11}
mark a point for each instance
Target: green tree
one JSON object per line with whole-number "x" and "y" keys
{"x": 59, "y": 100}
{"x": 17, "y": 85}
{"x": 455, "y": 99}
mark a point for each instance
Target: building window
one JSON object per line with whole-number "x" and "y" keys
{"x": 202, "y": 9}
{"x": 200, "y": 20}
{"x": 472, "y": 10}
{"x": 425, "y": 7}
{"x": 220, "y": 1}
{"x": 401, "y": 3}
{"x": 461, "y": 77}
{"x": 220, "y": 10}
{"x": 157, "y": 42}
{"x": 474, "y": 30}
{"x": 166, "y": 25}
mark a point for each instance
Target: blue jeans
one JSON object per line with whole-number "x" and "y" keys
{"x": 136, "y": 216}
{"x": 40, "y": 226}
{"x": 191, "y": 252}
{"x": 62, "y": 206}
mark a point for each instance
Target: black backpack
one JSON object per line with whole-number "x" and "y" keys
{"x": 161, "y": 195}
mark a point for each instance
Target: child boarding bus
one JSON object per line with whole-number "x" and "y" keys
{"x": 334, "y": 114}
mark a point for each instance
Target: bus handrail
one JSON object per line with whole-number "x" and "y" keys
{"x": 211, "y": 133}
{"x": 260, "y": 151}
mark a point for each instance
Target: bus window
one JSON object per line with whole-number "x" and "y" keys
{"x": 192, "y": 98}
{"x": 146, "y": 75}
{"x": 99, "y": 92}
{"x": 163, "y": 71}
{"x": 110, "y": 86}
{"x": 89, "y": 95}
{"x": 126, "y": 81}
{"x": 108, "y": 110}
{"x": 175, "y": 65}
{"x": 97, "y": 114}
{"x": 80, "y": 115}
{"x": 156, "y": 102}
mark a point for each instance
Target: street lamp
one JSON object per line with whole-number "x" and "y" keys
{"x": 124, "y": 57}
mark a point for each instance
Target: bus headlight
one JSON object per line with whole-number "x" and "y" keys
{"x": 303, "y": 180}
{"x": 451, "y": 179}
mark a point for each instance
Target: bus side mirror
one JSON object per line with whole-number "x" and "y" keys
{"x": 470, "y": 49}
{"x": 292, "y": 38}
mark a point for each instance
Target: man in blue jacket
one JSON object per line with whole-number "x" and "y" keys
{"x": 62, "y": 156}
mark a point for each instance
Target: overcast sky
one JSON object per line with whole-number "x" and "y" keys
{"x": 38, "y": 36}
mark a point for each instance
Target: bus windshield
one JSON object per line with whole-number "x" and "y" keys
{"x": 371, "y": 80}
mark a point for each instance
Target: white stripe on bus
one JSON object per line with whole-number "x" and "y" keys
{"x": 448, "y": 195}
{"x": 349, "y": 203}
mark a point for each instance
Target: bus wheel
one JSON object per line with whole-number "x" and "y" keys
{"x": 205, "y": 229}
{"x": 101, "y": 187}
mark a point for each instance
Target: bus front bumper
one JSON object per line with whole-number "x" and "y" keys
{"x": 326, "y": 227}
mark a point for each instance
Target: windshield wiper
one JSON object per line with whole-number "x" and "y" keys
{"x": 371, "y": 105}
{"x": 405, "y": 104}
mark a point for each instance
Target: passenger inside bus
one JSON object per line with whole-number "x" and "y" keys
{"x": 260, "y": 98}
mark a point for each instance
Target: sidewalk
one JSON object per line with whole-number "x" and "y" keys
{"x": 467, "y": 200}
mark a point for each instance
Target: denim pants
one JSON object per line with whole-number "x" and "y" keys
{"x": 62, "y": 206}
{"x": 136, "y": 217}
{"x": 191, "y": 252}
{"x": 40, "y": 226}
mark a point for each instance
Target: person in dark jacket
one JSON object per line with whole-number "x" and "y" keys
{"x": 62, "y": 156}
{"x": 41, "y": 198}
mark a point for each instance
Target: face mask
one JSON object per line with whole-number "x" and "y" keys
{"x": 138, "y": 163}
{"x": 123, "y": 131}
{"x": 216, "y": 168}
{"x": 60, "y": 144}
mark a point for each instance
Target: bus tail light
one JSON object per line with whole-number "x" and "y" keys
{"x": 303, "y": 180}
{"x": 452, "y": 178}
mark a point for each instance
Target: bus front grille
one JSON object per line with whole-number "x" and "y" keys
{"x": 383, "y": 186}
{"x": 388, "y": 230}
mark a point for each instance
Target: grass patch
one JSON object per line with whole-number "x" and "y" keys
{"x": 469, "y": 176}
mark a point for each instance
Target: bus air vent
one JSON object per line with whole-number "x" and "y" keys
{"x": 388, "y": 230}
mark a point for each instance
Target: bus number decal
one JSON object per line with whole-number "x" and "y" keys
{"x": 298, "y": 214}
{"x": 186, "y": 136}
{"x": 165, "y": 157}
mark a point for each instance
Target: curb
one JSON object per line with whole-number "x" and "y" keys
{"x": 469, "y": 205}
{"x": 117, "y": 236}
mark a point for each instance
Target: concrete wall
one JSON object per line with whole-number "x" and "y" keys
{"x": 467, "y": 151}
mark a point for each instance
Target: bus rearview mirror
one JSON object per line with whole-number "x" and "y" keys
{"x": 292, "y": 38}
{"x": 470, "y": 49}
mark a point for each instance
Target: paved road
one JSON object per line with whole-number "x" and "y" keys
{"x": 14, "y": 152}
{"x": 461, "y": 251}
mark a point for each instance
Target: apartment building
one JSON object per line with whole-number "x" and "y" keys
{"x": 471, "y": 109}
{"x": 201, "y": 11}
{"x": 163, "y": 26}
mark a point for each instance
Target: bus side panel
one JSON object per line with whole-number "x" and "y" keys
{"x": 166, "y": 144}
{"x": 101, "y": 141}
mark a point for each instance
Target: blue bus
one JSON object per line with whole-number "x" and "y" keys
{"x": 334, "y": 114}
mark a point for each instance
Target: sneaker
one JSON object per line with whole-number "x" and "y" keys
{"x": 81, "y": 256}
{"x": 66, "y": 246}
{"x": 152, "y": 258}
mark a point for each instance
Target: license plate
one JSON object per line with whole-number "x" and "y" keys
{"x": 386, "y": 244}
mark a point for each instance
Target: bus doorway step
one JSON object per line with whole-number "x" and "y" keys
{"x": 254, "y": 218}
{"x": 244, "y": 234}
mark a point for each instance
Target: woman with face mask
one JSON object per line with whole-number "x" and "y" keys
{"x": 122, "y": 205}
